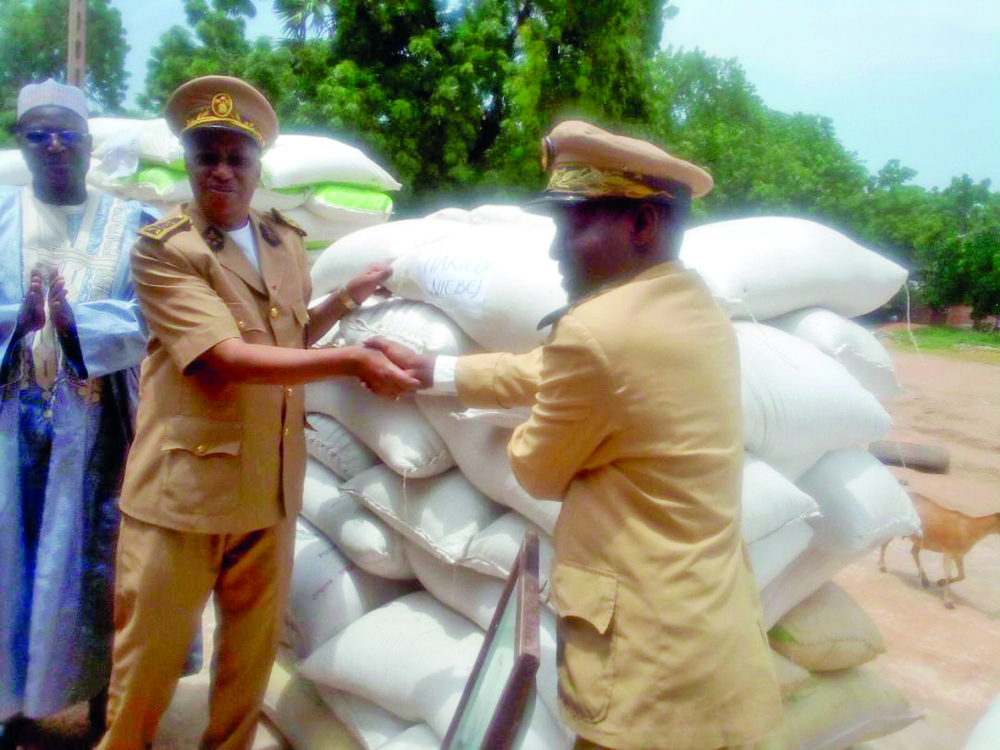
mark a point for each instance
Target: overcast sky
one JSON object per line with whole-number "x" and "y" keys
{"x": 914, "y": 80}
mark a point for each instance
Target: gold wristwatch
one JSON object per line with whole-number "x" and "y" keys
{"x": 346, "y": 299}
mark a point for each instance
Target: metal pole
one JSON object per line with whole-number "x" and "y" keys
{"x": 76, "y": 59}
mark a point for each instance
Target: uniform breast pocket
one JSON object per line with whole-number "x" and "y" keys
{"x": 248, "y": 320}
{"x": 585, "y": 599}
{"x": 202, "y": 465}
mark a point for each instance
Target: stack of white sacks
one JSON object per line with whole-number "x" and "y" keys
{"x": 329, "y": 188}
{"x": 412, "y": 516}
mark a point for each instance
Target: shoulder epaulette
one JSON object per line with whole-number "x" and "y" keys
{"x": 161, "y": 230}
{"x": 277, "y": 216}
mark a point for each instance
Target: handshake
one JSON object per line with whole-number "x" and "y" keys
{"x": 389, "y": 369}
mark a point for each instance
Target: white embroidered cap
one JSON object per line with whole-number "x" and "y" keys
{"x": 51, "y": 93}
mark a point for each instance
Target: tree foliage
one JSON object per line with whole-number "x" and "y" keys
{"x": 33, "y": 47}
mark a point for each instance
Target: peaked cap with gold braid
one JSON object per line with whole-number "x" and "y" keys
{"x": 587, "y": 163}
{"x": 222, "y": 102}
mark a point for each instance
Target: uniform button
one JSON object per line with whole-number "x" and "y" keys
{"x": 273, "y": 312}
{"x": 47, "y": 414}
{"x": 286, "y": 432}
{"x": 241, "y": 324}
{"x": 200, "y": 450}
{"x": 289, "y": 392}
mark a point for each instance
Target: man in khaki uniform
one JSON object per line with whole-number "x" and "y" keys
{"x": 214, "y": 478}
{"x": 635, "y": 426}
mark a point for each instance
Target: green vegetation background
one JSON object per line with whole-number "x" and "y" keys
{"x": 453, "y": 97}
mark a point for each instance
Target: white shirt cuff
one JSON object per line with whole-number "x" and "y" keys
{"x": 444, "y": 377}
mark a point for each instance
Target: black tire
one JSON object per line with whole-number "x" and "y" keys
{"x": 926, "y": 458}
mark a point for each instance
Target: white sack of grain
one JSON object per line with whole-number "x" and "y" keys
{"x": 793, "y": 467}
{"x": 305, "y": 159}
{"x": 839, "y": 710}
{"x": 158, "y": 145}
{"x": 103, "y": 128}
{"x": 358, "y": 533}
{"x": 812, "y": 569}
{"x": 336, "y": 448}
{"x": 420, "y": 326}
{"x": 827, "y": 632}
{"x": 986, "y": 734}
{"x": 349, "y": 204}
{"x": 321, "y": 231}
{"x": 13, "y": 168}
{"x": 349, "y": 256}
{"x": 768, "y": 266}
{"x": 855, "y": 347}
{"x": 476, "y": 596}
{"x": 284, "y": 200}
{"x": 796, "y": 400}
{"x": 861, "y": 502}
{"x": 769, "y": 500}
{"x": 495, "y": 280}
{"x": 116, "y": 145}
{"x": 370, "y": 724}
{"x": 413, "y": 657}
{"x": 791, "y": 677}
{"x": 493, "y": 550}
{"x": 442, "y": 514}
{"x": 396, "y": 431}
{"x": 473, "y": 595}
{"x": 327, "y": 592}
{"x": 417, "y": 737}
{"x": 293, "y": 706}
{"x": 154, "y": 183}
{"x": 480, "y": 451}
{"x": 779, "y": 550}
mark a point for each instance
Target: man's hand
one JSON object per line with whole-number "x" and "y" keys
{"x": 59, "y": 307}
{"x": 362, "y": 286}
{"x": 381, "y": 376}
{"x": 420, "y": 366}
{"x": 32, "y": 314}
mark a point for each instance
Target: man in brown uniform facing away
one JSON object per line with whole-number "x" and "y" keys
{"x": 214, "y": 479}
{"x": 635, "y": 426}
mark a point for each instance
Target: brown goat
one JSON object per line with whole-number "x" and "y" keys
{"x": 946, "y": 531}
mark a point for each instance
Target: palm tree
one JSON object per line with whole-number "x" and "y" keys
{"x": 300, "y": 17}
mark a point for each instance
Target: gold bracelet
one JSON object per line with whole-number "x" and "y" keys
{"x": 346, "y": 299}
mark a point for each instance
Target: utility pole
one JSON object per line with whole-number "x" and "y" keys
{"x": 76, "y": 59}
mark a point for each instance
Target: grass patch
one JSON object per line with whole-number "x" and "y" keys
{"x": 956, "y": 342}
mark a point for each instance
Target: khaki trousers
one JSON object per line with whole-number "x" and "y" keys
{"x": 163, "y": 580}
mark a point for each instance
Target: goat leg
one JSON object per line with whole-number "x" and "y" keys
{"x": 881, "y": 557}
{"x": 948, "y": 603}
{"x": 960, "y": 563}
{"x": 915, "y": 551}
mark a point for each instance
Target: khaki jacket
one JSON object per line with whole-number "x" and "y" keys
{"x": 213, "y": 456}
{"x": 636, "y": 426}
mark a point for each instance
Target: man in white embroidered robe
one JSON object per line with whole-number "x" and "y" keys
{"x": 70, "y": 335}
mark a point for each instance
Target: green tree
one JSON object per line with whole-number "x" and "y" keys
{"x": 33, "y": 45}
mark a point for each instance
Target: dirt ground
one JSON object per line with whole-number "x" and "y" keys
{"x": 947, "y": 662}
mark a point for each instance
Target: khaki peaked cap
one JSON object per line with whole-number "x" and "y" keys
{"x": 587, "y": 162}
{"x": 222, "y": 102}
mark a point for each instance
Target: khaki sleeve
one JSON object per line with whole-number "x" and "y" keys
{"x": 504, "y": 380}
{"x": 572, "y": 415}
{"x": 181, "y": 308}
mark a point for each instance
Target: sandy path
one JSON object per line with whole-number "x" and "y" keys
{"x": 946, "y": 661}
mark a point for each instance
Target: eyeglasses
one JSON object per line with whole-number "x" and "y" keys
{"x": 42, "y": 138}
